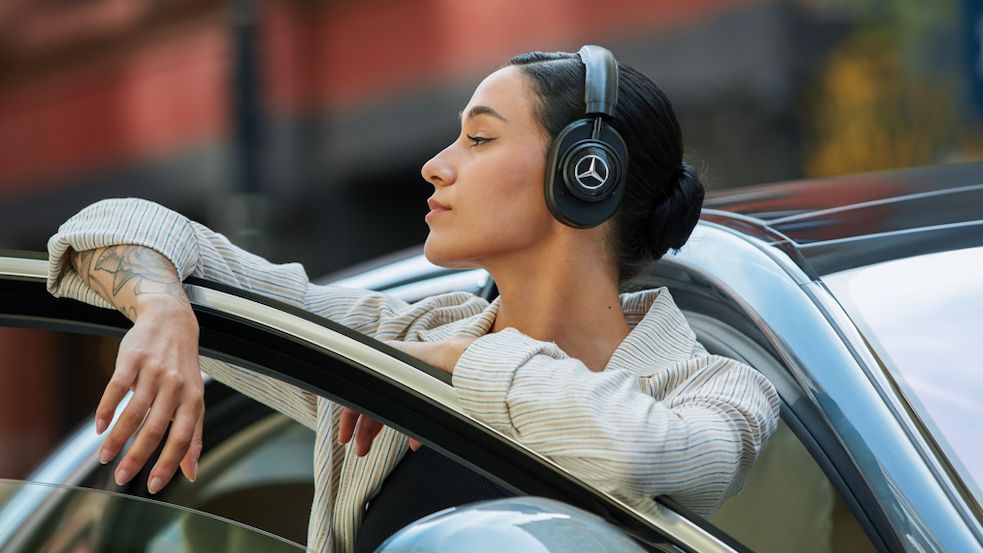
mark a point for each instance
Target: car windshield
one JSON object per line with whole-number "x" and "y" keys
{"x": 37, "y": 517}
{"x": 923, "y": 316}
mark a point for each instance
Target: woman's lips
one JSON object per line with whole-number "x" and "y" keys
{"x": 435, "y": 208}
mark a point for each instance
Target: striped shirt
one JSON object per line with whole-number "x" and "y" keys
{"x": 663, "y": 418}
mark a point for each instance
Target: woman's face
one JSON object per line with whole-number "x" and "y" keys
{"x": 490, "y": 180}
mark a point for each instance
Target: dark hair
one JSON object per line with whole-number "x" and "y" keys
{"x": 663, "y": 195}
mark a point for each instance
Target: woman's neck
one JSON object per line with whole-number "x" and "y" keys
{"x": 571, "y": 302}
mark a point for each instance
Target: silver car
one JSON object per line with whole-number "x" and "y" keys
{"x": 860, "y": 298}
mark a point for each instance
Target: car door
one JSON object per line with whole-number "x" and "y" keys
{"x": 262, "y": 335}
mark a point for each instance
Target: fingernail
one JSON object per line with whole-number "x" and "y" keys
{"x": 101, "y": 425}
{"x": 122, "y": 477}
{"x": 105, "y": 456}
{"x": 194, "y": 471}
{"x": 155, "y": 484}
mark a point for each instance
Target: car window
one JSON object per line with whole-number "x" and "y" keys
{"x": 63, "y": 519}
{"x": 252, "y": 458}
{"x": 266, "y": 463}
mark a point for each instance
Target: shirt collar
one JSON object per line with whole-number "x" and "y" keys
{"x": 660, "y": 335}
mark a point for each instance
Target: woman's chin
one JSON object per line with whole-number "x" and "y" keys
{"x": 445, "y": 257}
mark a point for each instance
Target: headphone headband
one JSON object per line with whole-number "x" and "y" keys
{"x": 601, "y": 84}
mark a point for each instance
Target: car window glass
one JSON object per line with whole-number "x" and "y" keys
{"x": 66, "y": 519}
{"x": 253, "y": 458}
{"x": 922, "y": 316}
{"x": 267, "y": 462}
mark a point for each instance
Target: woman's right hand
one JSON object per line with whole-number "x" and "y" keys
{"x": 158, "y": 360}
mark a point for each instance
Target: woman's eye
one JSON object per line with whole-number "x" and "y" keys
{"x": 478, "y": 140}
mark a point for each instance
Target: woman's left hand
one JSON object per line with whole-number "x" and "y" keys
{"x": 443, "y": 355}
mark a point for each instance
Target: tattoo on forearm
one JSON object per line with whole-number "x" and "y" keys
{"x": 148, "y": 270}
{"x": 83, "y": 266}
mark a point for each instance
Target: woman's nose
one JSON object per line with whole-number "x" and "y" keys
{"x": 439, "y": 171}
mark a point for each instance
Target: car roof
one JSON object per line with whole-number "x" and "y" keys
{"x": 840, "y": 223}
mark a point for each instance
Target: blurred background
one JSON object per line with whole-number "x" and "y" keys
{"x": 298, "y": 127}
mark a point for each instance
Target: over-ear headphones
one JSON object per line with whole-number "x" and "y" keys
{"x": 588, "y": 160}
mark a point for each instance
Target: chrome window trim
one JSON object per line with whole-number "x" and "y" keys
{"x": 828, "y": 365}
{"x": 665, "y": 520}
{"x": 29, "y": 269}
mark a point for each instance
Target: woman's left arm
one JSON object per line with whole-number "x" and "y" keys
{"x": 691, "y": 430}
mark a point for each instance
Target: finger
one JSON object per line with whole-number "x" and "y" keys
{"x": 189, "y": 464}
{"x": 129, "y": 420}
{"x": 178, "y": 444}
{"x": 414, "y": 444}
{"x": 366, "y": 431}
{"x": 150, "y": 435}
{"x": 346, "y": 426}
{"x": 119, "y": 384}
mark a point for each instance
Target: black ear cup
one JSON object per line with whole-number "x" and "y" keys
{"x": 585, "y": 174}
{"x": 588, "y": 160}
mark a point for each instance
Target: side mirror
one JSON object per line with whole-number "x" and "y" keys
{"x": 516, "y": 525}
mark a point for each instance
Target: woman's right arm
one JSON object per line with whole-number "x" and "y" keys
{"x": 132, "y": 255}
{"x": 157, "y": 359}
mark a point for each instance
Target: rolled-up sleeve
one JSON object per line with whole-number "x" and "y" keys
{"x": 196, "y": 250}
{"x": 192, "y": 248}
{"x": 689, "y": 430}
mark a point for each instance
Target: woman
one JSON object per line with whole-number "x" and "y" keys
{"x": 614, "y": 388}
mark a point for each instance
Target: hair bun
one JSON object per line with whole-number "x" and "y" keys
{"x": 674, "y": 218}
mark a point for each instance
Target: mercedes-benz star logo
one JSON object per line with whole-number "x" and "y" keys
{"x": 591, "y": 171}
